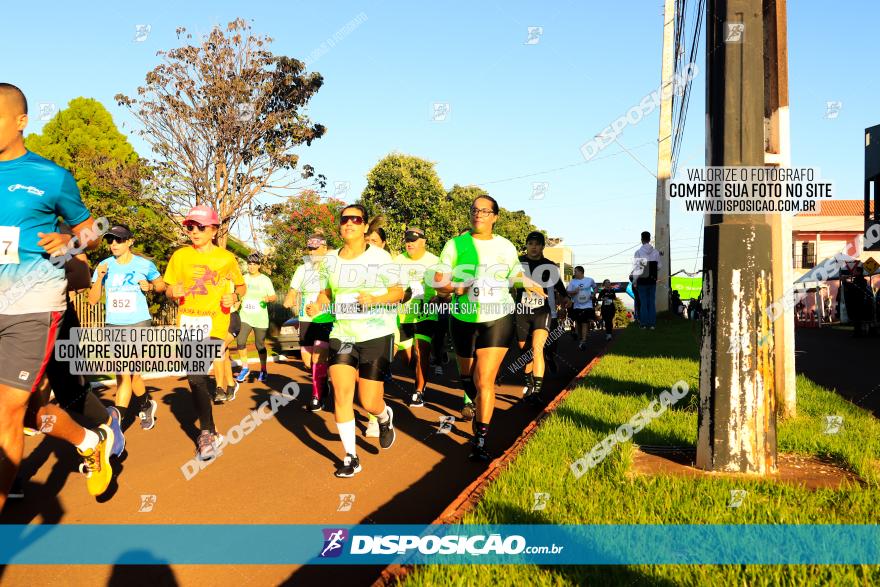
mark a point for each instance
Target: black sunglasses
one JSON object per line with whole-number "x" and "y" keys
{"x": 355, "y": 219}
{"x": 191, "y": 227}
{"x": 114, "y": 239}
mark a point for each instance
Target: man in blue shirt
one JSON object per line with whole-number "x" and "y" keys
{"x": 33, "y": 289}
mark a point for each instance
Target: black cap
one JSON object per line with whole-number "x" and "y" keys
{"x": 255, "y": 258}
{"x": 120, "y": 231}
{"x": 536, "y": 236}
{"x": 413, "y": 234}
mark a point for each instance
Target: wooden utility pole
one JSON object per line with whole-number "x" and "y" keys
{"x": 737, "y": 416}
{"x": 664, "y": 158}
{"x": 778, "y": 154}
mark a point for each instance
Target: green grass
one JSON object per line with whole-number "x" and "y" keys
{"x": 641, "y": 365}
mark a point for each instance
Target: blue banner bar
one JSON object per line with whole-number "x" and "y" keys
{"x": 454, "y": 544}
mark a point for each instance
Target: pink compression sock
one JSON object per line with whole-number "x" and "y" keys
{"x": 319, "y": 379}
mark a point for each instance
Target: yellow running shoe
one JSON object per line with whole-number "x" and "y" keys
{"x": 96, "y": 462}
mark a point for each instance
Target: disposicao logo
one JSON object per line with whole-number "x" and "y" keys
{"x": 334, "y": 538}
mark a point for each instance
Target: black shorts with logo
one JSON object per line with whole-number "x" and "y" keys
{"x": 528, "y": 322}
{"x": 371, "y": 358}
{"x": 469, "y": 337}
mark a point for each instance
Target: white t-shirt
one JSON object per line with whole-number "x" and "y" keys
{"x": 581, "y": 291}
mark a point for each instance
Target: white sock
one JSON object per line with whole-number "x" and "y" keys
{"x": 89, "y": 442}
{"x": 347, "y": 435}
{"x": 383, "y": 417}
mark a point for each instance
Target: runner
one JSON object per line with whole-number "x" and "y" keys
{"x": 484, "y": 266}
{"x": 355, "y": 278}
{"x": 126, "y": 277}
{"x": 418, "y": 323}
{"x": 255, "y": 316}
{"x": 581, "y": 289}
{"x": 36, "y": 192}
{"x": 606, "y": 307}
{"x": 534, "y": 313}
{"x": 377, "y": 237}
{"x": 314, "y": 331}
{"x": 199, "y": 276}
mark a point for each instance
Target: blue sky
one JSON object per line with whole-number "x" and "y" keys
{"x": 515, "y": 109}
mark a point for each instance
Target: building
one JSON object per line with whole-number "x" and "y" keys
{"x": 562, "y": 256}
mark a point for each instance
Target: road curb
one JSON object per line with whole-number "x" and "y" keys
{"x": 468, "y": 498}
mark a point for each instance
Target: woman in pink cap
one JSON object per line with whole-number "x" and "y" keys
{"x": 199, "y": 278}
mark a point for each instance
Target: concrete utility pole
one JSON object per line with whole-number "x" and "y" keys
{"x": 778, "y": 154}
{"x": 664, "y": 159}
{"x": 737, "y": 417}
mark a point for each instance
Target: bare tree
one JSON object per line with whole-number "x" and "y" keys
{"x": 223, "y": 120}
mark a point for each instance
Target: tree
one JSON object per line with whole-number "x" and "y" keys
{"x": 288, "y": 225}
{"x": 112, "y": 178}
{"x": 515, "y": 226}
{"x": 407, "y": 190}
{"x": 223, "y": 119}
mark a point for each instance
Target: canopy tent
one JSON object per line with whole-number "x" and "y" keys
{"x": 832, "y": 268}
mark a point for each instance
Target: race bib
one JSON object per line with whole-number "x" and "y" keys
{"x": 607, "y": 302}
{"x": 191, "y": 323}
{"x": 346, "y": 307}
{"x": 9, "y": 236}
{"x": 532, "y": 300}
{"x": 485, "y": 291}
{"x": 250, "y": 305}
{"x": 123, "y": 302}
{"x": 583, "y": 297}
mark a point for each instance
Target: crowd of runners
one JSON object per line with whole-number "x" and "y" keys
{"x": 357, "y": 306}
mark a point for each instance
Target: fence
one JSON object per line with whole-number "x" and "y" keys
{"x": 95, "y": 317}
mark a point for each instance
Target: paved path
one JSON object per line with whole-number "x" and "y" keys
{"x": 280, "y": 473}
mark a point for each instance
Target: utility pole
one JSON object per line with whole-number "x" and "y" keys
{"x": 737, "y": 416}
{"x": 664, "y": 158}
{"x": 779, "y": 154}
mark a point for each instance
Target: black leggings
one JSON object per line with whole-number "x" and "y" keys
{"x": 608, "y": 319}
{"x": 200, "y": 385}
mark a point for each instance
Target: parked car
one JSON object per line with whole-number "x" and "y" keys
{"x": 288, "y": 336}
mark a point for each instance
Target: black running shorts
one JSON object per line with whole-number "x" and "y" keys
{"x": 371, "y": 358}
{"x": 468, "y": 337}
{"x": 528, "y": 322}
{"x": 310, "y": 332}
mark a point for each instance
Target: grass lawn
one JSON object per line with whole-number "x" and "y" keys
{"x": 640, "y": 366}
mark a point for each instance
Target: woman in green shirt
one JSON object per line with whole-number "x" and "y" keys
{"x": 358, "y": 278}
{"x": 479, "y": 268}
{"x": 255, "y": 316}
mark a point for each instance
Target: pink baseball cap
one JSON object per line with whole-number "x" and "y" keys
{"x": 203, "y": 215}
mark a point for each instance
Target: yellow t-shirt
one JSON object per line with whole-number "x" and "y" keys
{"x": 205, "y": 278}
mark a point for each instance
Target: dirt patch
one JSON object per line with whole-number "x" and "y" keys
{"x": 806, "y": 471}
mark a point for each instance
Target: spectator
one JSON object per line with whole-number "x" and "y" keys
{"x": 644, "y": 276}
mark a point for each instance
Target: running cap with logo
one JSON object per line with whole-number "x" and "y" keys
{"x": 315, "y": 241}
{"x": 536, "y": 236}
{"x": 413, "y": 234}
{"x": 120, "y": 231}
{"x": 204, "y": 215}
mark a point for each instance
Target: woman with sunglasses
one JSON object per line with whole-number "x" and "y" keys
{"x": 359, "y": 279}
{"x": 255, "y": 316}
{"x": 479, "y": 268}
{"x": 314, "y": 331}
{"x": 199, "y": 277}
{"x": 126, "y": 278}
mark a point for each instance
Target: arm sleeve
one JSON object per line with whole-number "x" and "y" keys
{"x": 69, "y": 204}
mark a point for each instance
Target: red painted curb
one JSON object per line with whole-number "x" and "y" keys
{"x": 468, "y": 498}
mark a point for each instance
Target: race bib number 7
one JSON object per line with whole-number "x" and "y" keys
{"x": 9, "y": 237}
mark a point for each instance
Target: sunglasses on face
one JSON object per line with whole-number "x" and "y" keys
{"x": 114, "y": 239}
{"x": 482, "y": 211}
{"x": 191, "y": 227}
{"x": 354, "y": 219}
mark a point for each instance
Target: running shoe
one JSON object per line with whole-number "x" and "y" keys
{"x": 96, "y": 462}
{"x": 651, "y": 328}
{"x": 242, "y": 375}
{"x": 582, "y": 346}
{"x": 28, "y": 431}
{"x": 468, "y": 412}
{"x": 349, "y": 467}
{"x": 417, "y": 400}
{"x": 148, "y": 415}
{"x": 535, "y": 399}
{"x": 438, "y": 370}
{"x": 118, "y": 437}
{"x": 607, "y": 337}
{"x": 207, "y": 446}
{"x": 386, "y": 430}
{"x": 231, "y": 391}
{"x": 478, "y": 450}
{"x": 220, "y": 396}
{"x": 315, "y": 405}
{"x": 262, "y": 377}
{"x": 372, "y": 430}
